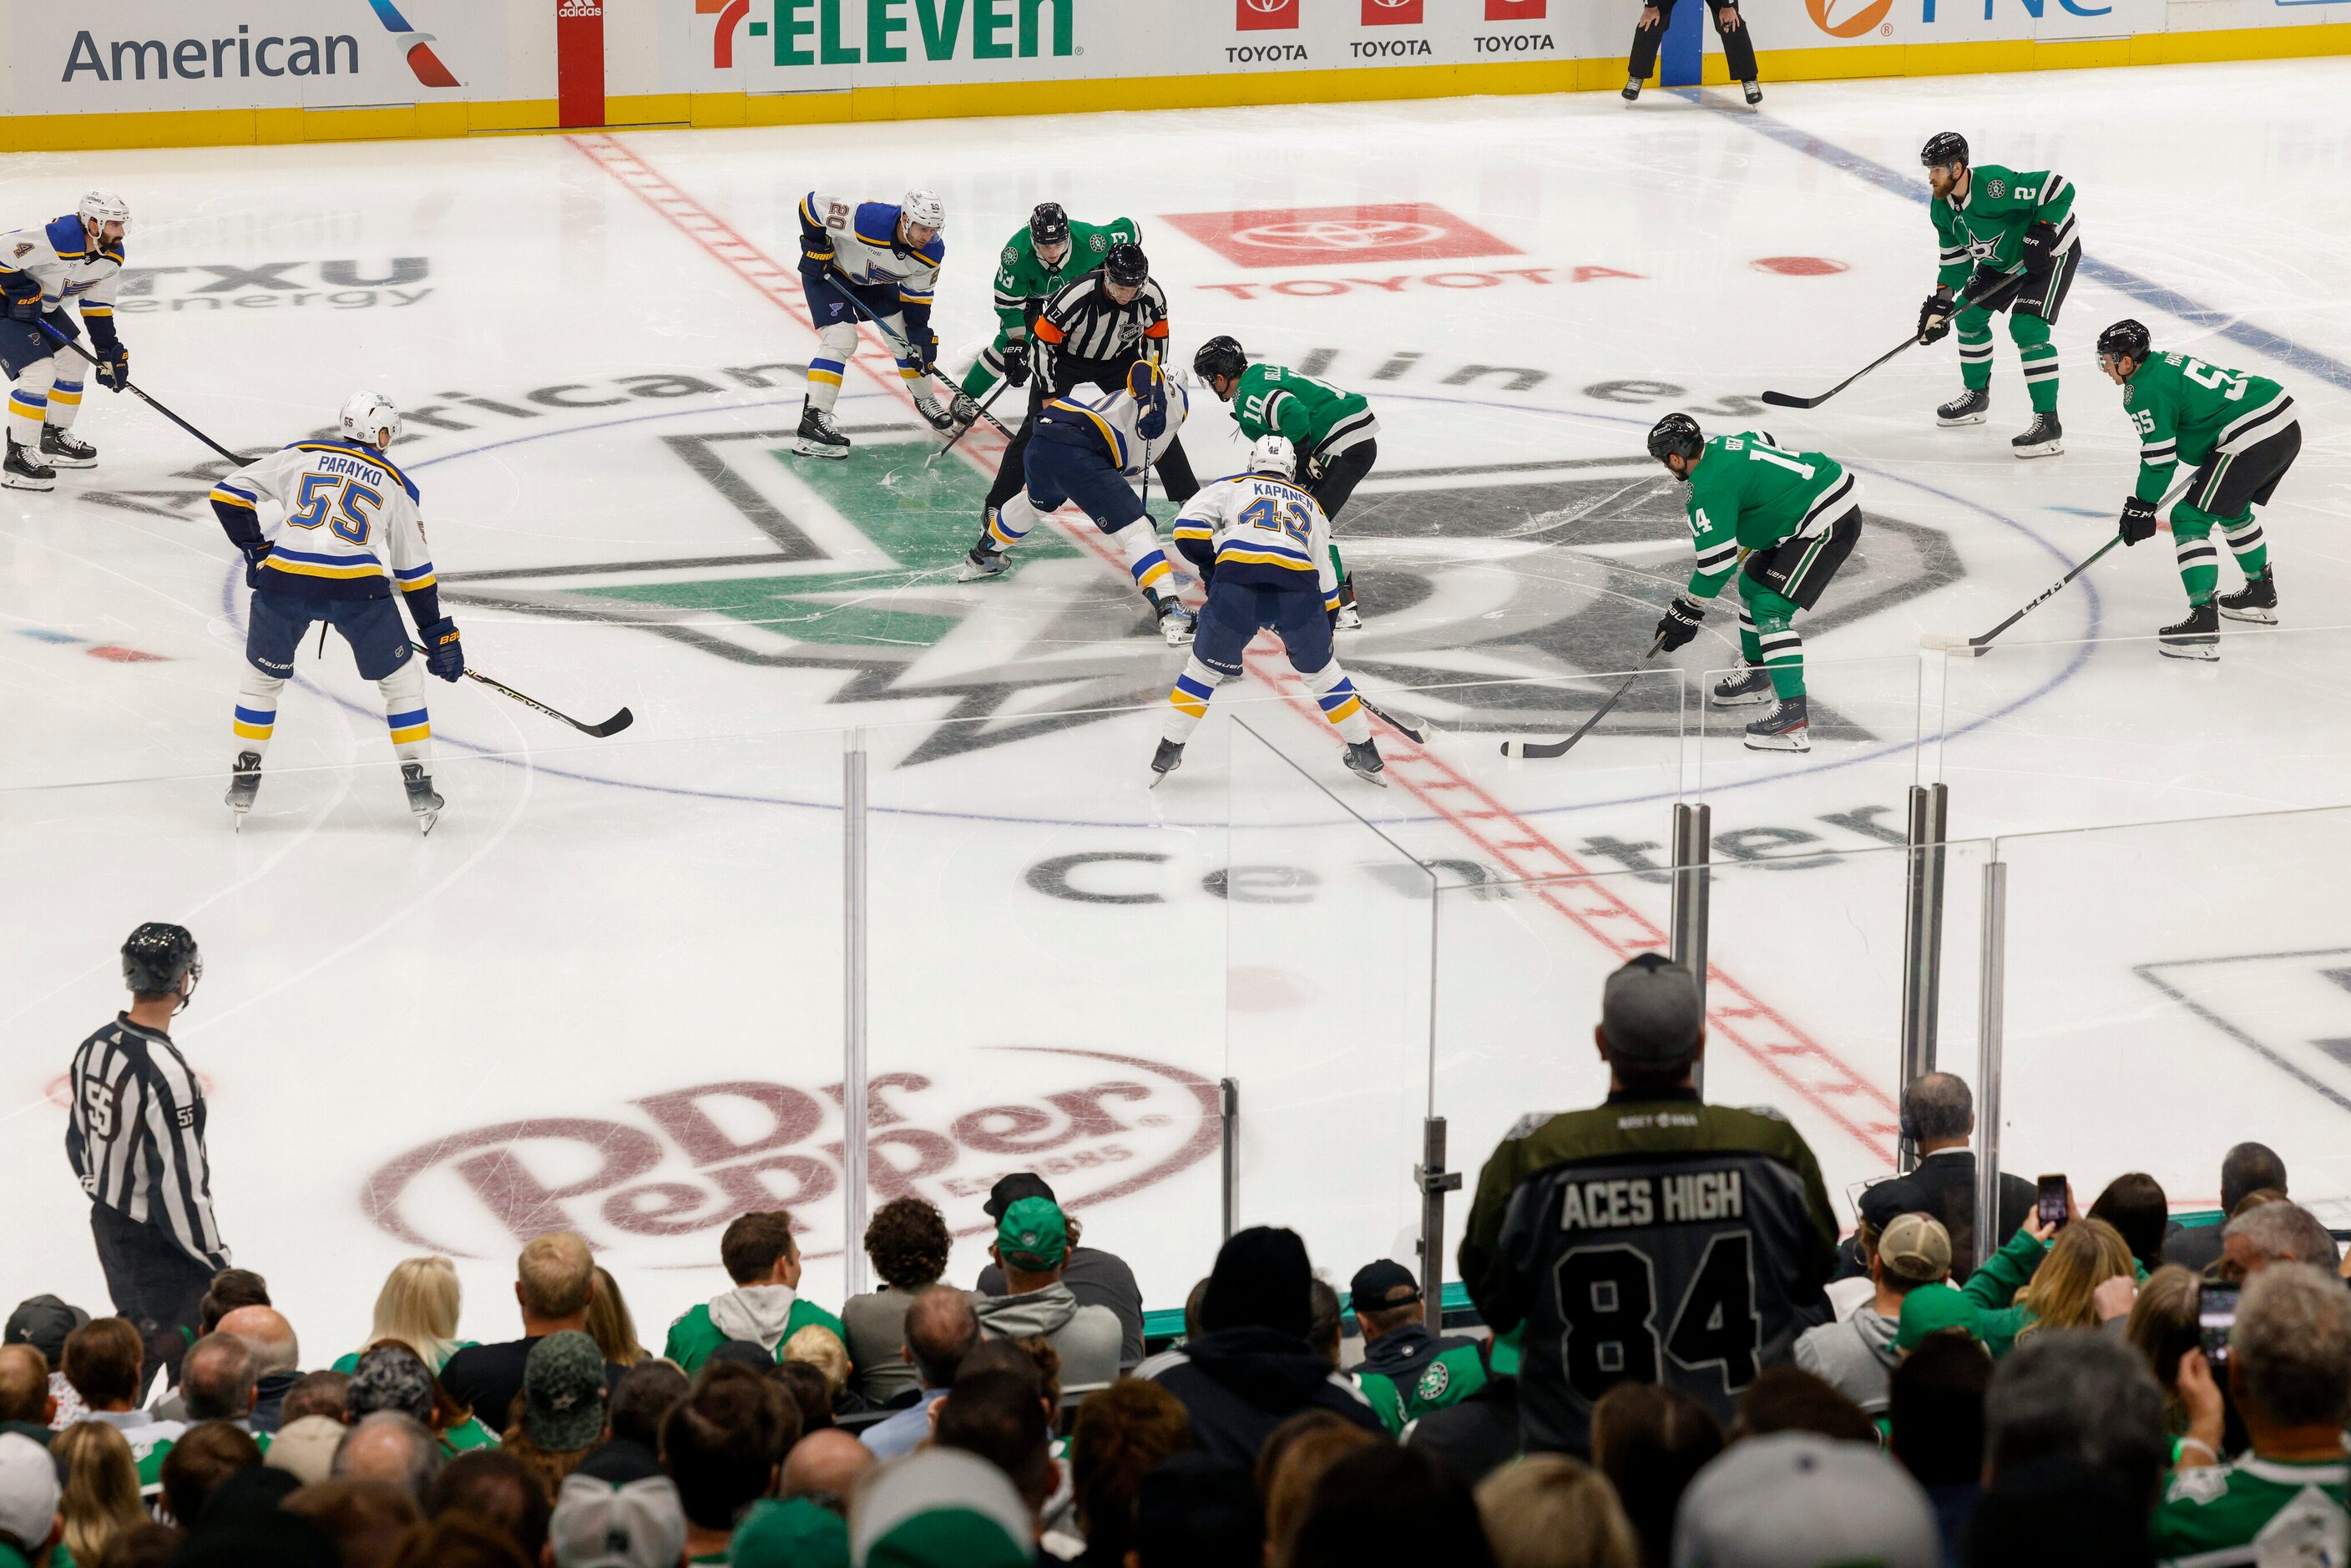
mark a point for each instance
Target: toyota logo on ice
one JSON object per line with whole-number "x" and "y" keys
{"x": 1340, "y": 233}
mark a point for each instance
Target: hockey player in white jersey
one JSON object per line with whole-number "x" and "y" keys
{"x": 861, "y": 259}
{"x": 1263, "y": 547}
{"x": 349, "y": 532}
{"x": 75, "y": 259}
{"x": 1086, "y": 449}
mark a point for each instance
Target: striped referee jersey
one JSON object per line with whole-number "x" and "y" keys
{"x": 1081, "y": 321}
{"x": 136, "y": 1136}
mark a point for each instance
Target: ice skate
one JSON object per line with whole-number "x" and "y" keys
{"x": 1177, "y": 625}
{"x": 1753, "y": 91}
{"x": 423, "y": 798}
{"x": 2044, "y": 437}
{"x": 984, "y": 560}
{"x": 1364, "y": 760}
{"x": 244, "y": 784}
{"x": 1968, "y": 408}
{"x": 60, "y": 448}
{"x": 938, "y": 417}
{"x": 1166, "y": 760}
{"x": 1633, "y": 89}
{"x": 2256, "y": 601}
{"x": 1786, "y": 728}
{"x": 2197, "y": 637}
{"x": 23, "y": 470}
{"x": 1751, "y": 685}
{"x": 819, "y": 436}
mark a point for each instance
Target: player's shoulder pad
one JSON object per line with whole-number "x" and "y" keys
{"x": 877, "y": 223}
{"x": 66, "y": 236}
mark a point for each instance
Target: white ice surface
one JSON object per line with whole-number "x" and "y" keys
{"x": 595, "y": 926}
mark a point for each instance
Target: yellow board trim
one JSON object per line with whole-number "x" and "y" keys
{"x": 247, "y": 126}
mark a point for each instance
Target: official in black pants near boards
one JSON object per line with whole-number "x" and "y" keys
{"x": 1737, "y": 44}
{"x": 136, "y": 1138}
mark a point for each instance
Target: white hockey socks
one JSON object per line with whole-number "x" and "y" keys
{"x": 1187, "y": 704}
{"x": 28, "y": 403}
{"x": 1011, "y": 522}
{"x": 836, "y": 346}
{"x": 404, "y": 712}
{"x": 256, "y": 710}
{"x": 1340, "y": 706}
{"x": 65, "y": 402}
{"x": 1145, "y": 561}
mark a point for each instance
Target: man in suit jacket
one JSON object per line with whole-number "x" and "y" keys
{"x": 1938, "y": 1117}
{"x": 2245, "y": 1170}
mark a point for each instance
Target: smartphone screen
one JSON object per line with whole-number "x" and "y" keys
{"x": 2216, "y": 1315}
{"x": 2053, "y": 1201}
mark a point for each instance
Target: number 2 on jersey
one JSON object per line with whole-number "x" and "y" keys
{"x": 318, "y": 493}
{"x": 1292, "y": 515}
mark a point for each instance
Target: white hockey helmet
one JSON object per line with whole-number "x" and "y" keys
{"x": 1273, "y": 455}
{"x": 925, "y": 208}
{"x": 104, "y": 207}
{"x": 367, "y": 413}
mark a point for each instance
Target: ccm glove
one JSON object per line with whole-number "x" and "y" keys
{"x": 1680, "y": 622}
{"x": 1935, "y": 317}
{"x": 1016, "y": 362}
{"x": 254, "y": 556}
{"x": 2040, "y": 244}
{"x": 444, "y": 655}
{"x": 927, "y": 352}
{"x": 2138, "y": 520}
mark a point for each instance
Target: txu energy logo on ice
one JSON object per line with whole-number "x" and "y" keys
{"x": 888, "y": 32}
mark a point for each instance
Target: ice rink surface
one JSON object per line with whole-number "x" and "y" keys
{"x": 606, "y": 992}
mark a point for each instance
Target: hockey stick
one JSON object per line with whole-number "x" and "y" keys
{"x": 904, "y": 350}
{"x": 967, "y": 429}
{"x": 1560, "y": 747}
{"x": 1416, "y": 732}
{"x": 74, "y": 345}
{"x": 612, "y": 725}
{"x": 1788, "y": 400}
{"x": 1975, "y": 647}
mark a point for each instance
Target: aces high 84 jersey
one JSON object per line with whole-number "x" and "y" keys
{"x": 351, "y": 529}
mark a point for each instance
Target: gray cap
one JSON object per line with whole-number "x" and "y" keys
{"x": 597, "y": 1525}
{"x": 1650, "y": 1011}
{"x": 28, "y": 1492}
{"x": 1796, "y": 1500}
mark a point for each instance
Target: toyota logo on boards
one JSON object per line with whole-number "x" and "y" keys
{"x": 1265, "y": 15}
{"x": 1294, "y": 237}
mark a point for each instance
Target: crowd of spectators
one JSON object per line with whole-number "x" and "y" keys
{"x": 1672, "y": 1361}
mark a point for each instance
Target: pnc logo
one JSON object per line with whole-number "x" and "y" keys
{"x": 1871, "y": 13}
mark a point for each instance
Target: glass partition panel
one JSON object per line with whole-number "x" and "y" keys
{"x": 602, "y": 995}
{"x": 2173, "y": 989}
{"x": 1850, "y": 791}
{"x": 2033, "y": 736}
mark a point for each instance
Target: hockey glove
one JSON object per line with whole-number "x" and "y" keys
{"x": 444, "y": 655}
{"x": 1935, "y": 317}
{"x": 114, "y": 367}
{"x": 1316, "y": 467}
{"x": 1016, "y": 363}
{"x": 815, "y": 267}
{"x": 1680, "y": 622}
{"x": 2039, "y": 245}
{"x": 927, "y": 352}
{"x": 254, "y": 556}
{"x": 1987, "y": 283}
{"x": 2138, "y": 520}
{"x": 1144, "y": 384}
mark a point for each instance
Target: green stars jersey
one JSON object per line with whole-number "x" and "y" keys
{"x": 1987, "y": 228}
{"x": 2185, "y": 411}
{"x": 1320, "y": 420}
{"x": 2256, "y": 1510}
{"x": 1021, "y": 276}
{"x": 1748, "y": 493}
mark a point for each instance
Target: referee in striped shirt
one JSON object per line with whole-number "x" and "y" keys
{"x": 1094, "y": 329}
{"x": 136, "y": 1138}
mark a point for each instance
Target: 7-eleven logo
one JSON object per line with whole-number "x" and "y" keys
{"x": 1265, "y": 15}
{"x": 721, "y": 39}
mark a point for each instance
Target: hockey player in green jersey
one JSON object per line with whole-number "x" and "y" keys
{"x": 1332, "y": 431}
{"x": 1791, "y": 517}
{"x": 1039, "y": 258}
{"x": 2009, "y": 240}
{"x": 2242, "y": 433}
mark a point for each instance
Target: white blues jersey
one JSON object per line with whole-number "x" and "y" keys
{"x": 71, "y": 269}
{"x": 351, "y": 528}
{"x": 864, "y": 247}
{"x": 1254, "y": 528}
{"x": 1114, "y": 419}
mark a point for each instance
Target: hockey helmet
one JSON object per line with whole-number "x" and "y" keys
{"x": 1676, "y": 435}
{"x": 1048, "y": 224}
{"x": 365, "y": 414}
{"x": 1219, "y": 356}
{"x": 2125, "y": 340}
{"x": 1126, "y": 265}
{"x": 1273, "y": 455}
{"x": 158, "y": 956}
{"x": 925, "y": 208}
{"x": 104, "y": 207}
{"x": 1944, "y": 148}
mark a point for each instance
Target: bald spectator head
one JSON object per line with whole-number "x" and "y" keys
{"x": 825, "y": 1467}
{"x": 2275, "y": 1233}
{"x": 389, "y": 1446}
{"x": 554, "y": 1280}
{"x": 217, "y": 1378}
{"x": 941, "y": 1330}
{"x": 25, "y": 1386}
{"x": 270, "y": 1337}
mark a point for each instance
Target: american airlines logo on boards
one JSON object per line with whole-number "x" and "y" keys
{"x": 891, "y": 32}
{"x": 246, "y": 57}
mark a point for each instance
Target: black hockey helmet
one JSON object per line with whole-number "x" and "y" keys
{"x": 1677, "y": 436}
{"x": 1944, "y": 147}
{"x": 1219, "y": 356}
{"x": 1048, "y": 224}
{"x": 158, "y": 956}
{"x": 2125, "y": 340}
{"x": 1126, "y": 265}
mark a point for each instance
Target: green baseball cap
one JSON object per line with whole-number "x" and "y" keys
{"x": 1931, "y": 1309}
{"x": 1033, "y": 1236}
{"x": 795, "y": 1534}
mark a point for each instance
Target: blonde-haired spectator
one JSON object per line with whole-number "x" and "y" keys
{"x": 417, "y": 1306}
{"x": 101, "y": 1488}
{"x": 819, "y": 1347}
{"x": 1549, "y": 1511}
{"x": 555, "y": 1286}
{"x": 609, "y": 1324}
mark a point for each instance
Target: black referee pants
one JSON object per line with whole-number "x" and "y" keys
{"x": 1737, "y": 44}
{"x": 1175, "y": 469}
{"x": 153, "y": 1282}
